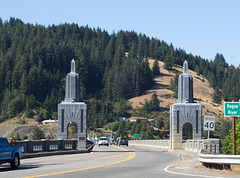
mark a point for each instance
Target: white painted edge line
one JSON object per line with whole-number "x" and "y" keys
{"x": 196, "y": 175}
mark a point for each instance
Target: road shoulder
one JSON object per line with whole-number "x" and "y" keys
{"x": 188, "y": 164}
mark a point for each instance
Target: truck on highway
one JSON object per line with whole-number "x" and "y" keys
{"x": 10, "y": 154}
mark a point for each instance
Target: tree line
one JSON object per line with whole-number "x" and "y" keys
{"x": 35, "y": 59}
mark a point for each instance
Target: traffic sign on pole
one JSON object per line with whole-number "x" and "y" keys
{"x": 231, "y": 109}
{"x": 209, "y": 123}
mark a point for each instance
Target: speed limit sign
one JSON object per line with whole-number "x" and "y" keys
{"x": 209, "y": 123}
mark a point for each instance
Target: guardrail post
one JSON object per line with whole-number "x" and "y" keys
{"x": 29, "y": 146}
{"x": 61, "y": 145}
{"x": 46, "y": 145}
{"x": 58, "y": 145}
{"x": 75, "y": 144}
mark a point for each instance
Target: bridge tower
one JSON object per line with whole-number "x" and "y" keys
{"x": 71, "y": 110}
{"x": 185, "y": 115}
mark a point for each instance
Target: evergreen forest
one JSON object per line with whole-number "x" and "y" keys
{"x": 34, "y": 61}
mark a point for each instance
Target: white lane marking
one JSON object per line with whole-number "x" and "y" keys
{"x": 6, "y": 172}
{"x": 196, "y": 175}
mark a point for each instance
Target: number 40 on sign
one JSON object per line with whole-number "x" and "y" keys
{"x": 209, "y": 123}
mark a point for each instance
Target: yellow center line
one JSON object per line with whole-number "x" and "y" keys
{"x": 113, "y": 156}
{"x": 132, "y": 155}
{"x": 121, "y": 148}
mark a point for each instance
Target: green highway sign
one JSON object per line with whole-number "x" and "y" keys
{"x": 136, "y": 135}
{"x": 232, "y": 109}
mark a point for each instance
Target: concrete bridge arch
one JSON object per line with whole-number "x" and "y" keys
{"x": 72, "y": 110}
{"x": 185, "y": 111}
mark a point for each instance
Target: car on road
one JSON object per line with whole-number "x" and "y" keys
{"x": 122, "y": 141}
{"x": 9, "y": 154}
{"x": 112, "y": 141}
{"x": 103, "y": 141}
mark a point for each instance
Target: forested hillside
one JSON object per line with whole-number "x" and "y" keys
{"x": 34, "y": 61}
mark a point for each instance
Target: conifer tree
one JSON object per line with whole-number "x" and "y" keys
{"x": 217, "y": 96}
{"x": 174, "y": 85}
{"x": 154, "y": 103}
{"x": 37, "y": 133}
{"x": 156, "y": 68}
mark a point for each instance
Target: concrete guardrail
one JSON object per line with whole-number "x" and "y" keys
{"x": 44, "y": 147}
{"x": 210, "y": 146}
{"x": 151, "y": 143}
{"x": 31, "y": 146}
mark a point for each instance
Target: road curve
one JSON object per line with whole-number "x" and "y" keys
{"x": 104, "y": 161}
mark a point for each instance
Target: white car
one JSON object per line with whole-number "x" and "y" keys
{"x": 103, "y": 141}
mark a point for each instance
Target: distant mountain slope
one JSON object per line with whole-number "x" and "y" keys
{"x": 34, "y": 61}
{"x": 201, "y": 90}
{"x": 202, "y": 94}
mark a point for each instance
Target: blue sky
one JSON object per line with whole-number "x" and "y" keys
{"x": 200, "y": 27}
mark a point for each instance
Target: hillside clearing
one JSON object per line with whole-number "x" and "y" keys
{"x": 202, "y": 92}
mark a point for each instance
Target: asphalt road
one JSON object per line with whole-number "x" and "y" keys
{"x": 103, "y": 162}
{"x": 112, "y": 161}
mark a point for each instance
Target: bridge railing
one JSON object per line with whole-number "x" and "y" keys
{"x": 31, "y": 146}
{"x": 151, "y": 143}
{"x": 210, "y": 146}
{"x": 192, "y": 145}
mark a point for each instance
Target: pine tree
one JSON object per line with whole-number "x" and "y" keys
{"x": 155, "y": 103}
{"x": 197, "y": 70}
{"x": 37, "y": 133}
{"x": 219, "y": 60}
{"x": 174, "y": 85}
{"x": 156, "y": 68}
{"x": 160, "y": 123}
{"x": 217, "y": 96}
{"x": 168, "y": 62}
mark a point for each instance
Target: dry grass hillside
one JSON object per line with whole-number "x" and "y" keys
{"x": 202, "y": 94}
{"x": 14, "y": 126}
{"x": 201, "y": 90}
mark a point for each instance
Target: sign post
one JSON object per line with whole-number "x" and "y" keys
{"x": 233, "y": 135}
{"x": 232, "y": 109}
{"x": 209, "y": 123}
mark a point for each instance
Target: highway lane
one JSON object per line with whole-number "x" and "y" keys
{"x": 105, "y": 161}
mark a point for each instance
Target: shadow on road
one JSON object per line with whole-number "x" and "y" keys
{"x": 22, "y": 167}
